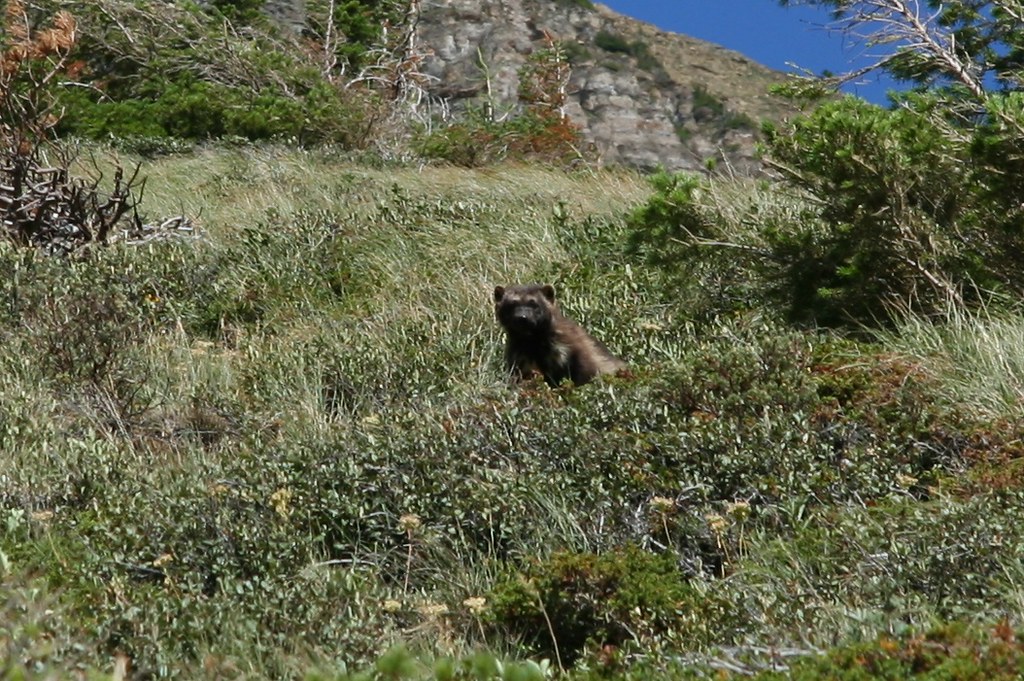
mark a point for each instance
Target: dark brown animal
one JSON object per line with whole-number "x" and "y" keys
{"x": 541, "y": 340}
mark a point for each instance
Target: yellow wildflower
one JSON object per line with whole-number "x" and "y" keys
{"x": 281, "y": 500}
{"x": 476, "y": 604}
{"x": 410, "y": 522}
{"x": 663, "y": 505}
{"x": 716, "y": 522}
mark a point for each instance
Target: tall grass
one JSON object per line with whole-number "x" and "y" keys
{"x": 977, "y": 353}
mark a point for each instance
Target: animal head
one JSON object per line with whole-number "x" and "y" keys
{"x": 525, "y": 309}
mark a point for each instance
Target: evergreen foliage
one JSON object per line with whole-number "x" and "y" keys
{"x": 222, "y": 70}
{"x": 910, "y": 205}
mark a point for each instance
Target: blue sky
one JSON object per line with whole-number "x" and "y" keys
{"x": 762, "y": 30}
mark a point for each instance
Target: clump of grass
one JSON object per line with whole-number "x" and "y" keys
{"x": 978, "y": 353}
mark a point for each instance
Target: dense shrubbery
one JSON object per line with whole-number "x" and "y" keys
{"x": 908, "y": 206}
{"x": 173, "y": 71}
{"x": 191, "y": 109}
{"x": 575, "y": 601}
{"x": 884, "y": 208}
{"x": 878, "y": 209}
{"x": 721, "y": 259}
{"x": 950, "y": 652}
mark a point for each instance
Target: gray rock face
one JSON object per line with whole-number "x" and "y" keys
{"x": 644, "y": 97}
{"x": 289, "y": 13}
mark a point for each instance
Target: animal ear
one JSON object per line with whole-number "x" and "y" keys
{"x": 499, "y": 293}
{"x": 548, "y": 291}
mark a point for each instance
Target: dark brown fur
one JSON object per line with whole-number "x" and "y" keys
{"x": 541, "y": 340}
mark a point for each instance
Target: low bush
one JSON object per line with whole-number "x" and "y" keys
{"x": 612, "y": 42}
{"x": 475, "y": 141}
{"x": 639, "y": 50}
{"x": 954, "y": 651}
{"x": 585, "y": 4}
{"x": 190, "y": 109}
{"x": 715, "y": 245}
{"x": 572, "y": 602}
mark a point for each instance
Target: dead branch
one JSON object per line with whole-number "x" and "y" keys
{"x": 47, "y": 208}
{"x": 901, "y": 23}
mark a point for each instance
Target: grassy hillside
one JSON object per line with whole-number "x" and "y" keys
{"x": 284, "y": 446}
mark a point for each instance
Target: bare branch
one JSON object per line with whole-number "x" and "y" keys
{"x": 900, "y": 23}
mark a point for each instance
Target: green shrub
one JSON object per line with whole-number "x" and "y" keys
{"x": 705, "y": 104}
{"x": 79, "y": 323}
{"x": 575, "y": 52}
{"x": 710, "y": 110}
{"x": 585, "y": 4}
{"x": 738, "y": 121}
{"x": 639, "y": 50}
{"x": 242, "y": 11}
{"x": 197, "y": 110}
{"x": 471, "y": 142}
{"x": 254, "y": 83}
{"x": 562, "y": 606}
{"x": 612, "y": 42}
{"x": 890, "y": 223}
{"x": 888, "y": 180}
{"x": 901, "y": 194}
{"x": 718, "y": 265}
{"x": 845, "y": 575}
{"x": 359, "y": 22}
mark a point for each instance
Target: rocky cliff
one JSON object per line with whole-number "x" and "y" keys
{"x": 644, "y": 97}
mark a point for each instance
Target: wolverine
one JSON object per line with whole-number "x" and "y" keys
{"x": 541, "y": 340}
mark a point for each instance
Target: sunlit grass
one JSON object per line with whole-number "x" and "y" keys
{"x": 978, "y": 354}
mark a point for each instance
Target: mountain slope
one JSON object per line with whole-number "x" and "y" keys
{"x": 644, "y": 97}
